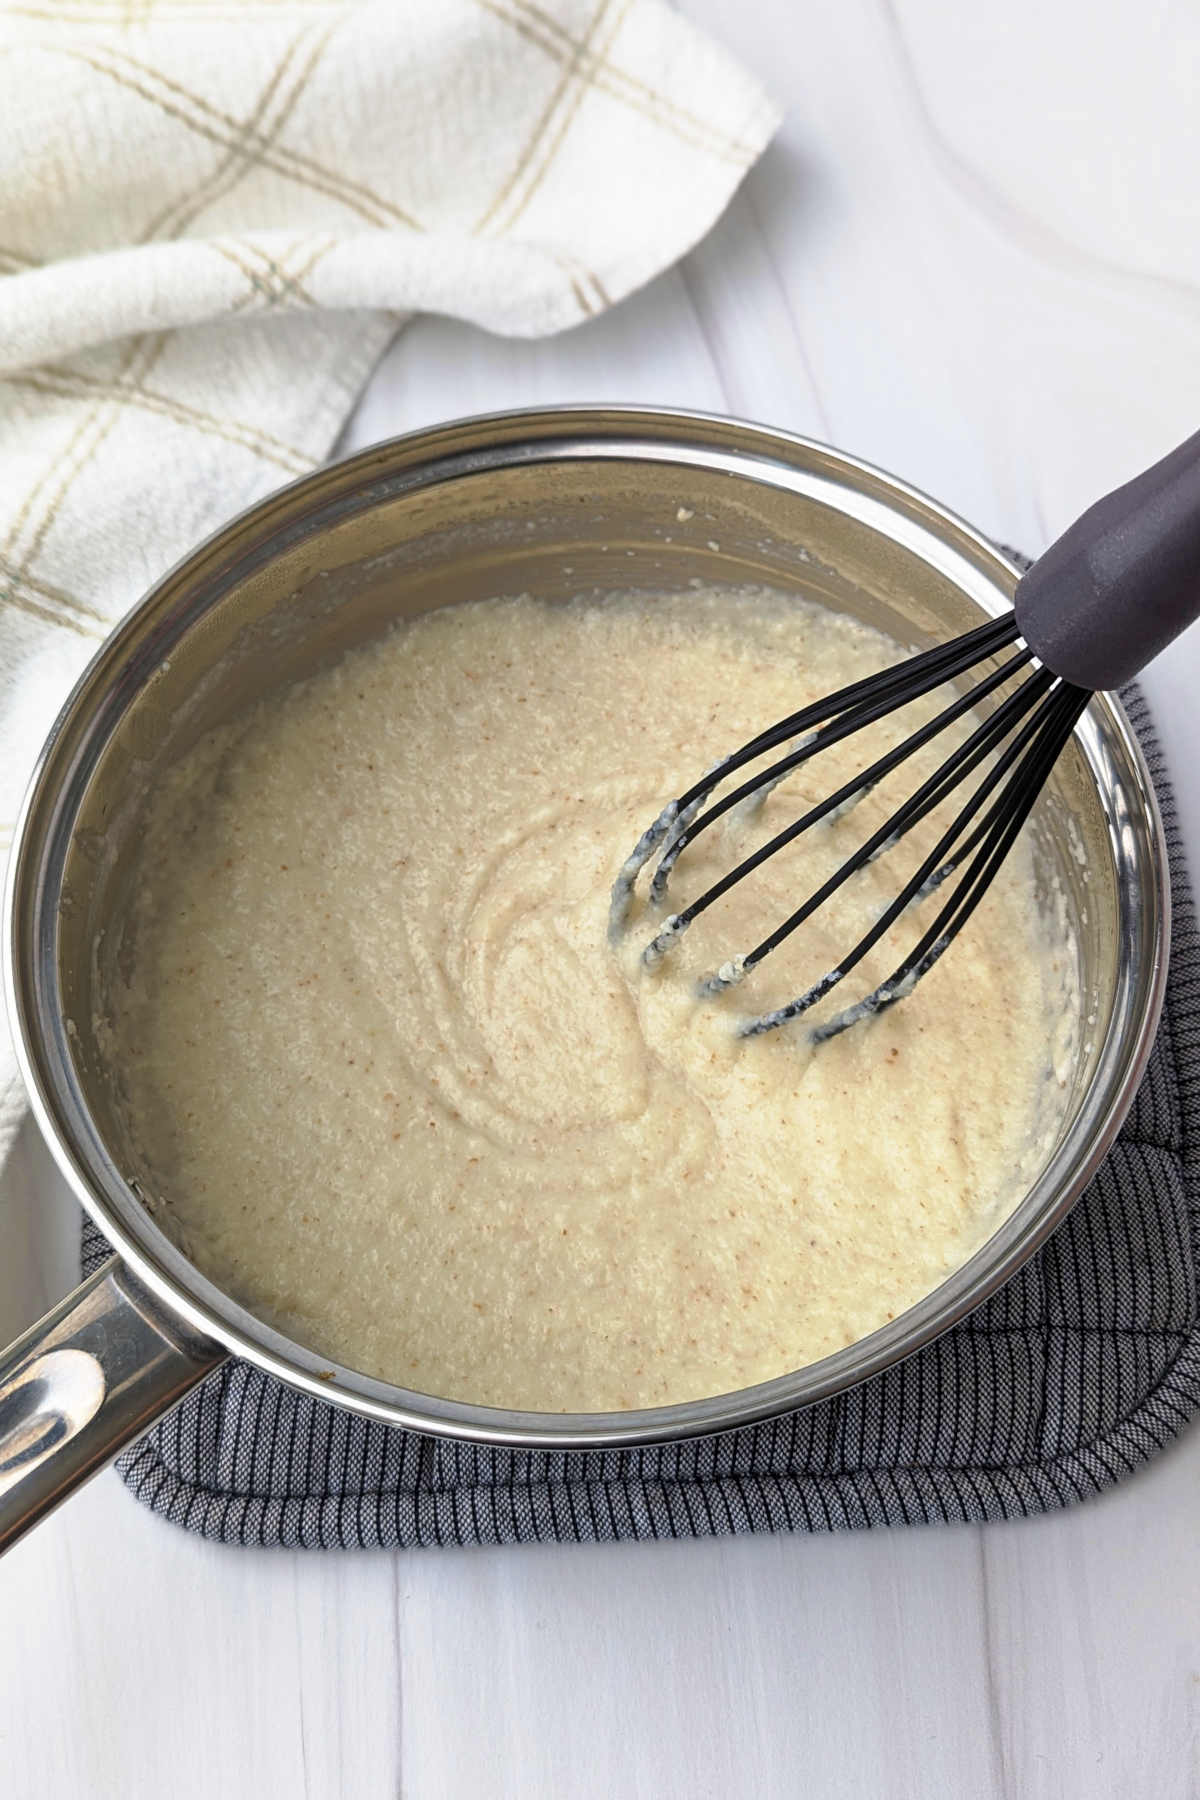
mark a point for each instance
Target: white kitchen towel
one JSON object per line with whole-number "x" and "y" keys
{"x": 215, "y": 213}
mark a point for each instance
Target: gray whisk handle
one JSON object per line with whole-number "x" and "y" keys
{"x": 1122, "y": 581}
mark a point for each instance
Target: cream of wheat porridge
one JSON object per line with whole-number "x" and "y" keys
{"x": 387, "y": 1083}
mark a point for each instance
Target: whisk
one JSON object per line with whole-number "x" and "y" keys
{"x": 1102, "y": 601}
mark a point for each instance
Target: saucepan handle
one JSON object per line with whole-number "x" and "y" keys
{"x": 81, "y": 1383}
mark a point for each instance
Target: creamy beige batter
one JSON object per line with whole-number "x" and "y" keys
{"x": 393, "y": 1089}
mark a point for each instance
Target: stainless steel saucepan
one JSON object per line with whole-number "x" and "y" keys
{"x": 552, "y": 503}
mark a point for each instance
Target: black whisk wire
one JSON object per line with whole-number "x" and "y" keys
{"x": 855, "y": 718}
{"x": 835, "y": 803}
{"x": 1018, "y": 740}
{"x": 903, "y": 682}
{"x": 956, "y": 768}
{"x": 1032, "y": 753}
{"x": 852, "y": 707}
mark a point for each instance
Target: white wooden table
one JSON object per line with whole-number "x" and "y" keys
{"x": 972, "y": 256}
